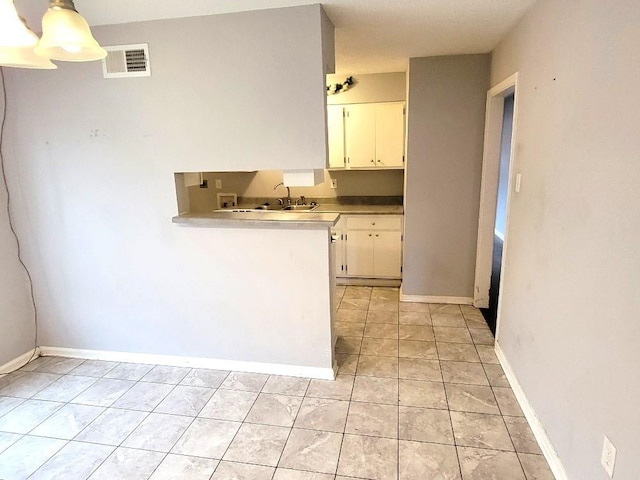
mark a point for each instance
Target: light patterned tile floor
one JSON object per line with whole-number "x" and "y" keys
{"x": 419, "y": 395}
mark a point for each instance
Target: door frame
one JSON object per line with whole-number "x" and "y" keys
{"x": 489, "y": 188}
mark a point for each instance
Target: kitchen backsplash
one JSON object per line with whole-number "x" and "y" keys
{"x": 368, "y": 187}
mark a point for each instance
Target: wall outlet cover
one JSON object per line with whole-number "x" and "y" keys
{"x": 218, "y": 184}
{"x": 334, "y": 183}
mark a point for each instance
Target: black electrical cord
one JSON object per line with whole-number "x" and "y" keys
{"x": 11, "y": 227}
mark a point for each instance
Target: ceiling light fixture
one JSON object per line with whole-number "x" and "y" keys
{"x": 13, "y": 32}
{"x": 66, "y": 35}
{"x": 24, "y": 57}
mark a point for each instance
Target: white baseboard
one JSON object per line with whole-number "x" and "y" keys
{"x": 179, "y": 361}
{"x": 536, "y": 426}
{"x": 19, "y": 362}
{"x": 435, "y": 299}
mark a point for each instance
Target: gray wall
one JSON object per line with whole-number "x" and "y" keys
{"x": 446, "y": 107}
{"x": 92, "y": 163}
{"x": 241, "y": 91}
{"x": 16, "y": 312}
{"x": 569, "y": 323}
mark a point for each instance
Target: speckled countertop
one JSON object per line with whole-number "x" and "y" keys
{"x": 258, "y": 219}
{"x": 361, "y": 209}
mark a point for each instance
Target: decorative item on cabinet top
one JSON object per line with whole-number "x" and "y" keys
{"x": 366, "y": 136}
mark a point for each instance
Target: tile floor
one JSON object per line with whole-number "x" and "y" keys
{"x": 419, "y": 396}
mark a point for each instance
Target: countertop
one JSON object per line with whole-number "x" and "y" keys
{"x": 361, "y": 209}
{"x": 310, "y": 220}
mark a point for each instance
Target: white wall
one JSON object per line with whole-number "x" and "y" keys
{"x": 569, "y": 317}
{"x": 445, "y": 123}
{"x": 92, "y": 164}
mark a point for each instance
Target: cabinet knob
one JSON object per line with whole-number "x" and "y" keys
{"x": 369, "y": 234}
{"x": 379, "y": 161}
{"x": 373, "y": 223}
{"x": 377, "y": 235}
{"x": 373, "y": 161}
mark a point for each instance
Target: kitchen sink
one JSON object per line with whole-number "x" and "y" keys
{"x": 273, "y": 208}
{"x": 299, "y": 208}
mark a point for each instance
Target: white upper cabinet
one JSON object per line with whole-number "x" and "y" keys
{"x": 360, "y": 135}
{"x": 390, "y": 135}
{"x": 374, "y": 135}
{"x": 335, "y": 121}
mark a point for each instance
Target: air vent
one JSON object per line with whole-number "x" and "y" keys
{"x": 127, "y": 61}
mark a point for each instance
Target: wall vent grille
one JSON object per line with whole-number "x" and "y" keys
{"x": 127, "y": 61}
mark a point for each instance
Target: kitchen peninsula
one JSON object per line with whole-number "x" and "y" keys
{"x": 280, "y": 270}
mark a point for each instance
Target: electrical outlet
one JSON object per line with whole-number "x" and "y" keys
{"x": 608, "y": 459}
{"x": 334, "y": 183}
{"x": 218, "y": 184}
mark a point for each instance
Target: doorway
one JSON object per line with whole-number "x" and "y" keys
{"x": 494, "y": 201}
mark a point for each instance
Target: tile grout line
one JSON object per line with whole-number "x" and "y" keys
{"x": 290, "y": 429}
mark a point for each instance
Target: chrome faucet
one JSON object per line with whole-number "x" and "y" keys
{"x": 281, "y": 184}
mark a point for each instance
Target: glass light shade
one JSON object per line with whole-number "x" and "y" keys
{"x": 24, "y": 57}
{"x": 66, "y": 36}
{"x": 13, "y": 33}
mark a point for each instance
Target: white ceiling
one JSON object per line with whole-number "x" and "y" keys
{"x": 372, "y": 36}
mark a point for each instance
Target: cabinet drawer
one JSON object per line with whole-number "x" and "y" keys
{"x": 375, "y": 222}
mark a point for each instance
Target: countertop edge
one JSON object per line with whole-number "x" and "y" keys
{"x": 258, "y": 220}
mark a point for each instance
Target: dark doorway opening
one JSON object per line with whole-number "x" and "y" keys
{"x": 490, "y": 314}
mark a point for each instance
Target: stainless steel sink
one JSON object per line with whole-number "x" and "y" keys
{"x": 272, "y": 208}
{"x": 299, "y": 208}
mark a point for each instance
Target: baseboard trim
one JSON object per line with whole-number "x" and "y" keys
{"x": 19, "y": 362}
{"x": 539, "y": 432}
{"x": 194, "y": 362}
{"x": 435, "y": 299}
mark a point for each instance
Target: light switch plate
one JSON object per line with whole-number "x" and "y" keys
{"x": 218, "y": 184}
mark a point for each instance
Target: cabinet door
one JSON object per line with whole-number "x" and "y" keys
{"x": 387, "y": 254}
{"x": 360, "y": 253}
{"x": 335, "y": 129}
{"x": 360, "y": 135}
{"x": 389, "y": 134}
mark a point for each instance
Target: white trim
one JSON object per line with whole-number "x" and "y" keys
{"x": 435, "y": 299}
{"x": 180, "y": 361}
{"x": 539, "y": 432}
{"x": 19, "y": 362}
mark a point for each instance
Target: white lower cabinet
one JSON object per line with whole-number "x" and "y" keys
{"x": 371, "y": 246}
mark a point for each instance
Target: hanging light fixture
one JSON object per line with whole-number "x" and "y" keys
{"x": 66, "y": 35}
{"x": 13, "y": 32}
{"x": 24, "y": 57}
